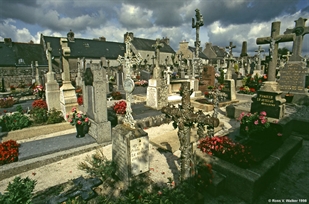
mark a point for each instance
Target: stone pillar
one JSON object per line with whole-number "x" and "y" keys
{"x": 79, "y": 80}
{"x": 52, "y": 92}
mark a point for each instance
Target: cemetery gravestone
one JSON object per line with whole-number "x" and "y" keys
{"x": 145, "y": 75}
{"x": 130, "y": 152}
{"x": 229, "y": 89}
{"x": 51, "y": 86}
{"x": 207, "y": 79}
{"x": 95, "y": 104}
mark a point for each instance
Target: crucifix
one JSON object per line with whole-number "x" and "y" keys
{"x": 300, "y": 30}
{"x": 199, "y": 23}
{"x": 230, "y": 59}
{"x": 128, "y": 85}
{"x": 168, "y": 76}
{"x": 287, "y": 56}
{"x": 274, "y": 39}
{"x": 157, "y": 70}
{"x": 259, "y": 57}
{"x": 49, "y": 57}
{"x": 183, "y": 117}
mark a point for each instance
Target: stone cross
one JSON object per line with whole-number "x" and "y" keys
{"x": 300, "y": 30}
{"x": 287, "y": 56}
{"x": 183, "y": 118}
{"x": 49, "y": 57}
{"x": 230, "y": 48}
{"x": 199, "y": 23}
{"x": 259, "y": 57}
{"x": 157, "y": 47}
{"x": 128, "y": 61}
{"x": 66, "y": 51}
{"x": 273, "y": 40}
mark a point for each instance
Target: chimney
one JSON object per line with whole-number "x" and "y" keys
{"x": 8, "y": 42}
{"x": 166, "y": 40}
{"x": 102, "y": 38}
{"x": 130, "y": 34}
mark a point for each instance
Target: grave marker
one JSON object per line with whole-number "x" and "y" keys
{"x": 52, "y": 88}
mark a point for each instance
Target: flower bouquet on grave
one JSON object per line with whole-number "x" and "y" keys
{"x": 120, "y": 107}
{"x": 38, "y": 91}
{"x": 80, "y": 121}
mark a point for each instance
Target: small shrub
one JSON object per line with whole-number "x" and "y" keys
{"x": 120, "y": 107}
{"x": 7, "y": 102}
{"x": 19, "y": 109}
{"x": 54, "y": 116}
{"x": 39, "y": 115}
{"x": 14, "y": 121}
{"x": 97, "y": 165}
{"x": 19, "y": 192}
{"x": 39, "y": 103}
{"x": 8, "y": 152}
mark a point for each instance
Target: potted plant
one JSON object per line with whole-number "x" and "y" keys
{"x": 80, "y": 121}
{"x": 289, "y": 97}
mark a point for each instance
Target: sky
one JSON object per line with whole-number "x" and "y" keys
{"x": 225, "y": 21}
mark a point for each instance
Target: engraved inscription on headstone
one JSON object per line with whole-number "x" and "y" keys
{"x": 293, "y": 77}
{"x": 267, "y": 101}
{"x": 120, "y": 152}
{"x": 227, "y": 89}
{"x": 139, "y": 151}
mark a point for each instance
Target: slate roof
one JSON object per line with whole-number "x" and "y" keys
{"x": 10, "y": 54}
{"x": 219, "y": 51}
{"x": 88, "y": 48}
{"x": 201, "y": 54}
{"x": 146, "y": 44}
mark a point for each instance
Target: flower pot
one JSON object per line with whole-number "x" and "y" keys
{"x": 81, "y": 130}
{"x": 289, "y": 98}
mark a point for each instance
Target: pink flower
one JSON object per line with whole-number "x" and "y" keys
{"x": 279, "y": 134}
{"x": 159, "y": 193}
{"x": 261, "y": 117}
{"x": 263, "y": 113}
{"x": 73, "y": 109}
{"x": 86, "y": 119}
{"x": 67, "y": 115}
{"x": 70, "y": 120}
{"x": 256, "y": 122}
{"x": 79, "y": 115}
{"x": 263, "y": 121}
{"x": 79, "y": 122}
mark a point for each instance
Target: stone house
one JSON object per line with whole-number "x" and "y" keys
{"x": 88, "y": 50}
{"x": 145, "y": 48}
{"x": 188, "y": 52}
{"x": 17, "y": 62}
{"x": 214, "y": 53}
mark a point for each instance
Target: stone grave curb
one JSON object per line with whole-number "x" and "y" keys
{"x": 244, "y": 97}
{"x": 16, "y": 168}
{"x": 35, "y": 131}
{"x": 247, "y": 184}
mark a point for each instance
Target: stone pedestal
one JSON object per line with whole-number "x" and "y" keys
{"x": 194, "y": 83}
{"x": 130, "y": 152}
{"x": 156, "y": 96}
{"x": 68, "y": 98}
{"x": 52, "y": 92}
{"x": 269, "y": 99}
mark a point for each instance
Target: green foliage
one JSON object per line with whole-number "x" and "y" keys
{"x": 98, "y": 165}
{"x": 18, "y": 192}
{"x": 19, "y": 109}
{"x": 54, "y": 116}
{"x": 14, "y": 121}
{"x": 39, "y": 115}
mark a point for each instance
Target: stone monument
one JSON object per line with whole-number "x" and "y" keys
{"x": 157, "y": 96}
{"x": 95, "y": 104}
{"x": 196, "y": 61}
{"x": 258, "y": 69}
{"x": 130, "y": 144}
{"x": 68, "y": 98}
{"x": 269, "y": 96}
{"x": 52, "y": 92}
{"x": 293, "y": 74}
